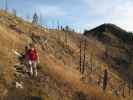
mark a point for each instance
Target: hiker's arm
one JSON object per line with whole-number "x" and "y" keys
{"x": 38, "y": 58}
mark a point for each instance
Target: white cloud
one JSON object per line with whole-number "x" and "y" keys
{"x": 123, "y": 16}
{"x": 119, "y": 12}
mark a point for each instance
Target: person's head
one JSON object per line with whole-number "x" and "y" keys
{"x": 26, "y": 48}
{"x": 32, "y": 46}
{"x": 105, "y": 70}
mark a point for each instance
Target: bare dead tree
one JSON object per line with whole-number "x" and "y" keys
{"x": 58, "y": 32}
{"x": 105, "y": 79}
{"x": 80, "y": 62}
{"x": 84, "y": 56}
{"x": 61, "y": 27}
{"x": 132, "y": 84}
{"x": 35, "y": 18}
{"x": 58, "y": 36}
{"x": 91, "y": 61}
{"x": 123, "y": 89}
{"x": 66, "y": 39}
{"x": 129, "y": 74}
{"x": 67, "y": 28}
{"x": 6, "y": 5}
{"x": 129, "y": 85}
{"x": 58, "y": 25}
{"x": 14, "y": 12}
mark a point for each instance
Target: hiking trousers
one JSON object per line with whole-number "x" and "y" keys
{"x": 33, "y": 67}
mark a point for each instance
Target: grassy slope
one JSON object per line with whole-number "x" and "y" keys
{"x": 64, "y": 80}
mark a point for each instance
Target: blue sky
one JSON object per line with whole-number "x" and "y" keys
{"x": 80, "y": 14}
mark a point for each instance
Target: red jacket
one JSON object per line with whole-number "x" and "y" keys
{"x": 32, "y": 55}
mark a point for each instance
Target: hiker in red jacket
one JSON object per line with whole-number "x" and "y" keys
{"x": 33, "y": 60}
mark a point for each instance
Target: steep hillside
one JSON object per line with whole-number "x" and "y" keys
{"x": 58, "y": 77}
{"x": 119, "y": 49}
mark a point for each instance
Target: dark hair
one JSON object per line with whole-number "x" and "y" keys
{"x": 26, "y": 47}
{"x": 31, "y": 45}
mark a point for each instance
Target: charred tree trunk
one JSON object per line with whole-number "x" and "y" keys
{"x": 105, "y": 79}
{"x": 6, "y": 5}
{"x": 129, "y": 74}
{"x": 80, "y": 62}
{"x": 66, "y": 40}
{"x": 35, "y": 19}
{"x": 58, "y": 26}
{"x": 91, "y": 61}
{"x": 129, "y": 87}
{"x": 84, "y": 57}
{"x": 58, "y": 32}
{"x": 58, "y": 37}
{"x": 123, "y": 89}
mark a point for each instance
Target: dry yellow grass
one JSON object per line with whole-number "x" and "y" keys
{"x": 62, "y": 70}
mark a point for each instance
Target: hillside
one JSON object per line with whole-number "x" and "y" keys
{"x": 119, "y": 49}
{"x": 117, "y": 33}
{"x": 58, "y": 77}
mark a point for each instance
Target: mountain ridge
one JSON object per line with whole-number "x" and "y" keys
{"x": 116, "y": 31}
{"x": 118, "y": 44}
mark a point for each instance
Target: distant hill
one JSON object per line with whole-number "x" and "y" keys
{"x": 110, "y": 32}
{"x": 119, "y": 48}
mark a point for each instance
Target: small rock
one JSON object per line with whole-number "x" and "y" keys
{"x": 19, "y": 85}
